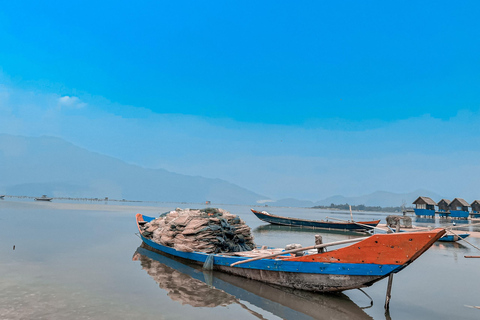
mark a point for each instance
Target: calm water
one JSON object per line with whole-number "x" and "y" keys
{"x": 83, "y": 261}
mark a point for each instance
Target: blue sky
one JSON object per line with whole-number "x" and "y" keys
{"x": 306, "y": 99}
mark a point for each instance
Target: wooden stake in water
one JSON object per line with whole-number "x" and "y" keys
{"x": 389, "y": 291}
{"x": 351, "y": 215}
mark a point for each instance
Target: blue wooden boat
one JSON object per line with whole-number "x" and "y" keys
{"x": 358, "y": 226}
{"x": 453, "y": 238}
{"x": 359, "y": 265}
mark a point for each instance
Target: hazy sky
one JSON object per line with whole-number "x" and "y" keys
{"x": 288, "y": 99}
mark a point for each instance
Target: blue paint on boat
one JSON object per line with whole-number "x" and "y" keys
{"x": 453, "y": 238}
{"x": 284, "y": 266}
{"x": 320, "y": 224}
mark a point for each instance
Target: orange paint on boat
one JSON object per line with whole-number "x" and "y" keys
{"x": 396, "y": 248}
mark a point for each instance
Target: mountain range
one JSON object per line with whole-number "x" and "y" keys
{"x": 33, "y": 166}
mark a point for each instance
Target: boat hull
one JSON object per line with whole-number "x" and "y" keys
{"x": 453, "y": 238}
{"x": 356, "y": 266}
{"x": 293, "y": 222}
{"x": 316, "y": 282}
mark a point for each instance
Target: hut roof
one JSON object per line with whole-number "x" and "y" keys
{"x": 475, "y": 202}
{"x": 445, "y": 200}
{"x": 425, "y": 200}
{"x": 462, "y": 202}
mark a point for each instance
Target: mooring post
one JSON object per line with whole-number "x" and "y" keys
{"x": 389, "y": 291}
{"x": 319, "y": 240}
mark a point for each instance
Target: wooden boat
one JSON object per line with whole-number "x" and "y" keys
{"x": 453, "y": 238}
{"x": 359, "y": 226}
{"x": 43, "y": 198}
{"x": 359, "y": 265}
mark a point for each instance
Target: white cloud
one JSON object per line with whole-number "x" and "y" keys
{"x": 70, "y": 102}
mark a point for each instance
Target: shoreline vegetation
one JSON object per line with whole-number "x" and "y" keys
{"x": 360, "y": 207}
{"x": 340, "y": 207}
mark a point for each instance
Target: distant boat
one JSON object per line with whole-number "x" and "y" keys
{"x": 2, "y": 196}
{"x": 359, "y": 226}
{"x": 44, "y": 198}
{"x": 453, "y": 238}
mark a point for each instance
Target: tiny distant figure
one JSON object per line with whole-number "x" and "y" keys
{"x": 454, "y": 224}
{"x": 13, "y": 247}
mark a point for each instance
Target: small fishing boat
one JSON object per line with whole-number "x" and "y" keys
{"x": 43, "y": 198}
{"x": 2, "y": 196}
{"x": 358, "y": 226}
{"x": 453, "y": 237}
{"x": 361, "y": 264}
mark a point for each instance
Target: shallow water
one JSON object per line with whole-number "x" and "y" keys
{"x": 77, "y": 260}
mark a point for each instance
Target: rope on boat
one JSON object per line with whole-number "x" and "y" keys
{"x": 371, "y": 300}
{"x": 208, "y": 265}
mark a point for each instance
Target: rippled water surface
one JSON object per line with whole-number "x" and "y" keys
{"x": 83, "y": 261}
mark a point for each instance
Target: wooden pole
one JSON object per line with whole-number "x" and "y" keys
{"x": 319, "y": 241}
{"x": 351, "y": 215}
{"x": 324, "y": 245}
{"x": 389, "y": 291}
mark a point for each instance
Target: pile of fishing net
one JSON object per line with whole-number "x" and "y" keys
{"x": 209, "y": 230}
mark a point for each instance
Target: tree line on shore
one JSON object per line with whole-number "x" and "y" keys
{"x": 360, "y": 207}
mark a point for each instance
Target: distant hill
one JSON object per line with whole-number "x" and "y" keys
{"x": 378, "y": 198}
{"x": 46, "y": 165}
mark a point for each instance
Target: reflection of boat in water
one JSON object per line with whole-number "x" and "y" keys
{"x": 43, "y": 198}
{"x": 359, "y": 265}
{"x": 450, "y": 246}
{"x": 187, "y": 284}
{"x": 359, "y": 226}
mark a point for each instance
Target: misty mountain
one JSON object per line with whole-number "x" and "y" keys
{"x": 46, "y": 165}
{"x": 378, "y": 198}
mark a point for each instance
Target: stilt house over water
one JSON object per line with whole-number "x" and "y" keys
{"x": 424, "y": 206}
{"x": 459, "y": 208}
{"x": 475, "y": 209}
{"x": 444, "y": 205}
{"x": 475, "y": 206}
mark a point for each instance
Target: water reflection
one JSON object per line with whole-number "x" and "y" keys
{"x": 188, "y": 284}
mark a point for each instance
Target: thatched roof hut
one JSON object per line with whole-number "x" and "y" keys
{"x": 425, "y": 203}
{"x": 459, "y": 204}
{"x": 475, "y": 206}
{"x": 444, "y": 205}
